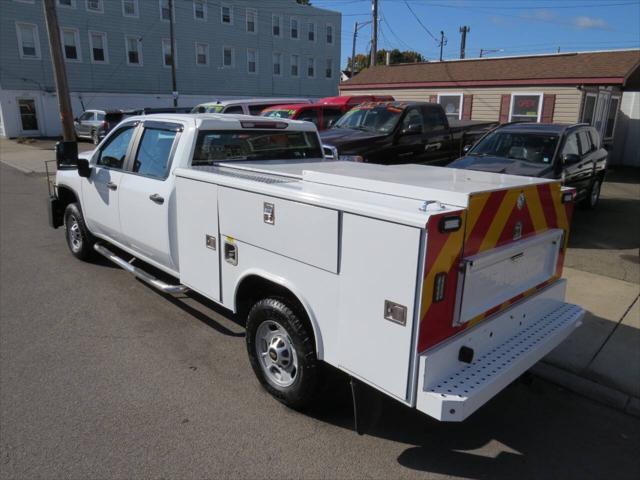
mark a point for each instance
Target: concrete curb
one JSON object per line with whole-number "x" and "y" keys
{"x": 588, "y": 388}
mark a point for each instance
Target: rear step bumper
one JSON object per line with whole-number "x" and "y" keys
{"x": 503, "y": 349}
{"x": 138, "y": 272}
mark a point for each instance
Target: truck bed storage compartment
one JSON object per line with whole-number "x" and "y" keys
{"x": 198, "y": 239}
{"x": 377, "y": 288}
{"x": 296, "y": 230}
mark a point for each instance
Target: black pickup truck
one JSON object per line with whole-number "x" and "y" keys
{"x": 572, "y": 153}
{"x": 400, "y": 132}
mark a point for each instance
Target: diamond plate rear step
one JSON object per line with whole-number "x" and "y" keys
{"x": 454, "y": 393}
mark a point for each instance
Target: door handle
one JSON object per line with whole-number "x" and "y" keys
{"x": 112, "y": 186}
{"x": 156, "y": 198}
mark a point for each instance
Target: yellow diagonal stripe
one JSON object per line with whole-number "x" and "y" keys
{"x": 535, "y": 210}
{"x": 476, "y": 205}
{"x": 499, "y": 220}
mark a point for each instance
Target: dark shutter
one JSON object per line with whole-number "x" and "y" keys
{"x": 505, "y": 103}
{"x": 433, "y": 99}
{"x": 467, "y": 106}
{"x": 548, "y": 105}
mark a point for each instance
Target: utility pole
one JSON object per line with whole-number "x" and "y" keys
{"x": 353, "y": 50}
{"x": 374, "y": 32}
{"x": 173, "y": 56}
{"x": 463, "y": 42}
{"x": 443, "y": 42}
{"x": 69, "y": 145}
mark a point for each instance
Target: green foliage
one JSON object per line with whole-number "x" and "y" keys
{"x": 397, "y": 56}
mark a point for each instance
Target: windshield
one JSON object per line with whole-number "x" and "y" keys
{"x": 374, "y": 118}
{"x": 224, "y": 146}
{"x": 278, "y": 113}
{"x": 530, "y": 147}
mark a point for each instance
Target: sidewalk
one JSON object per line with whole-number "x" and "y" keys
{"x": 29, "y": 157}
{"x": 601, "y": 359}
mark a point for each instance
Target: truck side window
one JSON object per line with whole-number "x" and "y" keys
{"x": 113, "y": 153}
{"x": 154, "y": 153}
{"x": 585, "y": 142}
{"x": 310, "y": 115}
{"x": 571, "y": 145}
{"x": 434, "y": 119}
{"x": 234, "y": 109}
{"x": 412, "y": 119}
{"x": 331, "y": 115}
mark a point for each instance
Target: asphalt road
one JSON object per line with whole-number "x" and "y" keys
{"x": 102, "y": 377}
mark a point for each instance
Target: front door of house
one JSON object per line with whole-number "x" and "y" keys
{"x": 28, "y": 116}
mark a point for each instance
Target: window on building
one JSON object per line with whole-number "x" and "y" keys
{"x": 28, "y": 41}
{"x": 98, "y": 46}
{"x": 67, "y": 3}
{"x": 330, "y": 34}
{"x": 202, "y": 54}
{"x": 28, "y": 118}
{"x": 154, "y": 153}
{"x": 252, "y": 60}
{"x": 130, "y": 8}
{"x": 71, "y": 44}
{"x": 276, "y": 25}
{"x": 95, "y": 6}
{"x": 227, "y": 57}
{"x": 328, "y": 68}
{"x": 167, "y": 59}
{"x": 452, "y": 105}
{"x": 277, "y": 63}
{"x": 311, "y": 33}
{"x": 200, "y": 9}
{"x": 294, "y": 28}
{"x": 311, "y": 67}
{"x": 134, "y": 50}
{"x": 589, "y": 108}
{"x": 226, "y": 14}
{"x": 295, "y": 61}
{"x": 165, "y": 10}
{"x": 252, "y": 20}
{"x": 612, "y": 114}
{"x": 525, "y": 107}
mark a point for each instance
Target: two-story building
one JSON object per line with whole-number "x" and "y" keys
{"x": 118, "y": 55}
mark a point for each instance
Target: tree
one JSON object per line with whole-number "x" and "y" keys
{"x": 397, "y": 56}
{"x": 304, "y": 2}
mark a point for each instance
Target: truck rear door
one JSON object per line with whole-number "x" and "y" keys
{"x": 437, "y": 142}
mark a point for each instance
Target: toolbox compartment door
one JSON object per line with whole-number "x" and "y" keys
{"x": 296, "y": 230}
{"x": 379, "y": 264}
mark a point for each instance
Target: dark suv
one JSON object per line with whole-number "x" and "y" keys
{"x": 572, "y": 153}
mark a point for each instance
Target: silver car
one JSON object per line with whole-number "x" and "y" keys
{"x": 91, "y": 125}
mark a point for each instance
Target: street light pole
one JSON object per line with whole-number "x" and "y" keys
{"x": 173, "y": 56}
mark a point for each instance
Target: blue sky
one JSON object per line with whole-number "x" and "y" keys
{"x": 516, "y": 27}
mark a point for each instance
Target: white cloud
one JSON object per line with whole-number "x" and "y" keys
{"x": 543, "y": 15}
{"x": 588, "y": 22}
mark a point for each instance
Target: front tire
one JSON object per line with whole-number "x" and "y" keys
{"x": 79, "y": 239}
{"x": 593, "y": 195}
{"x": 282, "y": 353}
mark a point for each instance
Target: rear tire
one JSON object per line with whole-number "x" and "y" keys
{"x": 282, "y": 353}
{"x": 79, "y": 239}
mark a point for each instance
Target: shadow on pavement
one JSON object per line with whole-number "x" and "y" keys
{"x": 612, "y": 225}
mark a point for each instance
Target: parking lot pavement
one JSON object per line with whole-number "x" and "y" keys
{"x": 100, "y": 376}
{"x": 29, "y": 155}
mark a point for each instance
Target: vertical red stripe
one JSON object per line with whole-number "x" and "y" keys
{"x": 546, "y": 200}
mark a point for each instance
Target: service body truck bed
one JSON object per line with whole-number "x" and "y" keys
{"x": 435, "y": 286}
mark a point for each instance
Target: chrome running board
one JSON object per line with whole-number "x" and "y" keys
{"x": 139, "y": 273}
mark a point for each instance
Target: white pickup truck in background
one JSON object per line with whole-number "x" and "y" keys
{"x": 436, "y": 286}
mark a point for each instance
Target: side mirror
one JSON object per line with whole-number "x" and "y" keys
{"x": 75, "y": 120}
{"x": 413, "y": 129}
{"x": 66, "y": 154}
{"x": 330, "y": 123}
{"x": 570, "y": 159}
{"x": 466, "y": 149}
{"x": 84, "y": 169}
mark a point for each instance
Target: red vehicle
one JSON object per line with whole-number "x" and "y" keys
{"x": 324, "y": 112}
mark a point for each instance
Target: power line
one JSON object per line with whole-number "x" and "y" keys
{"x": 420, "y": 22}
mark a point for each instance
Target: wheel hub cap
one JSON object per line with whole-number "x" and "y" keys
{"x": 276, "y": 353}
{"x": 75, "y": 235}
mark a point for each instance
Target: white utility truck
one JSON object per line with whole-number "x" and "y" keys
{"x": 436, "y": 286}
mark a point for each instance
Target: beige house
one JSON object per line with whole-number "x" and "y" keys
{"x": 561, "y": 88}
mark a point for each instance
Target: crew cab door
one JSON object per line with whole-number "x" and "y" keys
{"x": 100, "y": 193}
{"x": 409, "y": 146}
{"x": 437, "y": 141}
{"x": 147, "y": 194}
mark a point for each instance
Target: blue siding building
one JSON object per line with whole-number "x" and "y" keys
{"x": 118, "y": 55}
